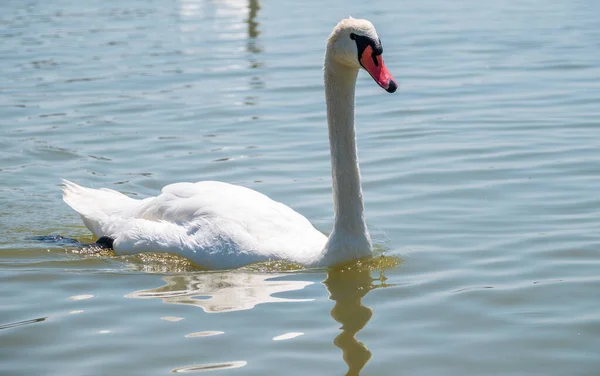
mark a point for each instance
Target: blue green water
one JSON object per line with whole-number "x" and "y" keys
{"x": 482, "y": 174}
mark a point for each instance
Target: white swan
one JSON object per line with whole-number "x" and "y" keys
{"x": 221, "y": 226}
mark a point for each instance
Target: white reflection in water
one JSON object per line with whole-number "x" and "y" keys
{"x": 171, "y": 318}
{"x": 286, "y": 336}
{"x": 211, "y": 367}
{"x": 81, "y": 297}
{"x": 190, "y": 8}
{"x": 209, "y": 333}
{"x": 222, "y": 292}
{"x": 223, "y": 9}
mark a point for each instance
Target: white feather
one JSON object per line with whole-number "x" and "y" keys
{"x": 217, "y": 225}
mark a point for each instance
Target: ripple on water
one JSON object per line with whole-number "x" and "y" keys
{"x": 81, "y": 297}
{"x": 204, "y": 334}
{"x": 211, "y": 367}
{"x": 287, "y": 336}
{"x": 21, "y": 323}
{"x": 171, "y": 318}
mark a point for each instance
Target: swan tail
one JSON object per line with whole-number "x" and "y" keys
{"x": 97, "y": 207}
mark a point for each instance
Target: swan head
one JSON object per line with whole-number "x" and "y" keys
{"x": 354, "y": 43}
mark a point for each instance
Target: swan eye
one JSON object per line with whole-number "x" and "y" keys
{"x": 363, "y": 41}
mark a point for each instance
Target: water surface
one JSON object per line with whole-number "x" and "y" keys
{"x": 481, "y": 174}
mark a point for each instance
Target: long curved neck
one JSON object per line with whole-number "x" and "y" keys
{"x": 350, "y": 230}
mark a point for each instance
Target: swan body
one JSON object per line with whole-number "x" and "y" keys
{"x": 220, "y": 225}
{"x": 215, "y": 224}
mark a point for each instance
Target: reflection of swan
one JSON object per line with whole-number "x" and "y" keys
{"x": 220, "y": 225}
{"x": 253, "y": 32}
{"x": 347, "y": 288}
{"x": 254, "y": 48}
{"x": 222, "y": 292}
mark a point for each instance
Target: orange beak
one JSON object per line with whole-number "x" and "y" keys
{"x": 377, "y": 69}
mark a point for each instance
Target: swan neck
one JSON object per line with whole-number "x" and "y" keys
{"x": 340, "y": 82}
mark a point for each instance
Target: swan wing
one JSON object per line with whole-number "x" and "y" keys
{"x": 216, "y": 224}
{"x": 96, "y": 206}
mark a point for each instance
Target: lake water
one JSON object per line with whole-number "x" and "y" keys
{"x": 481, "y": 175}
